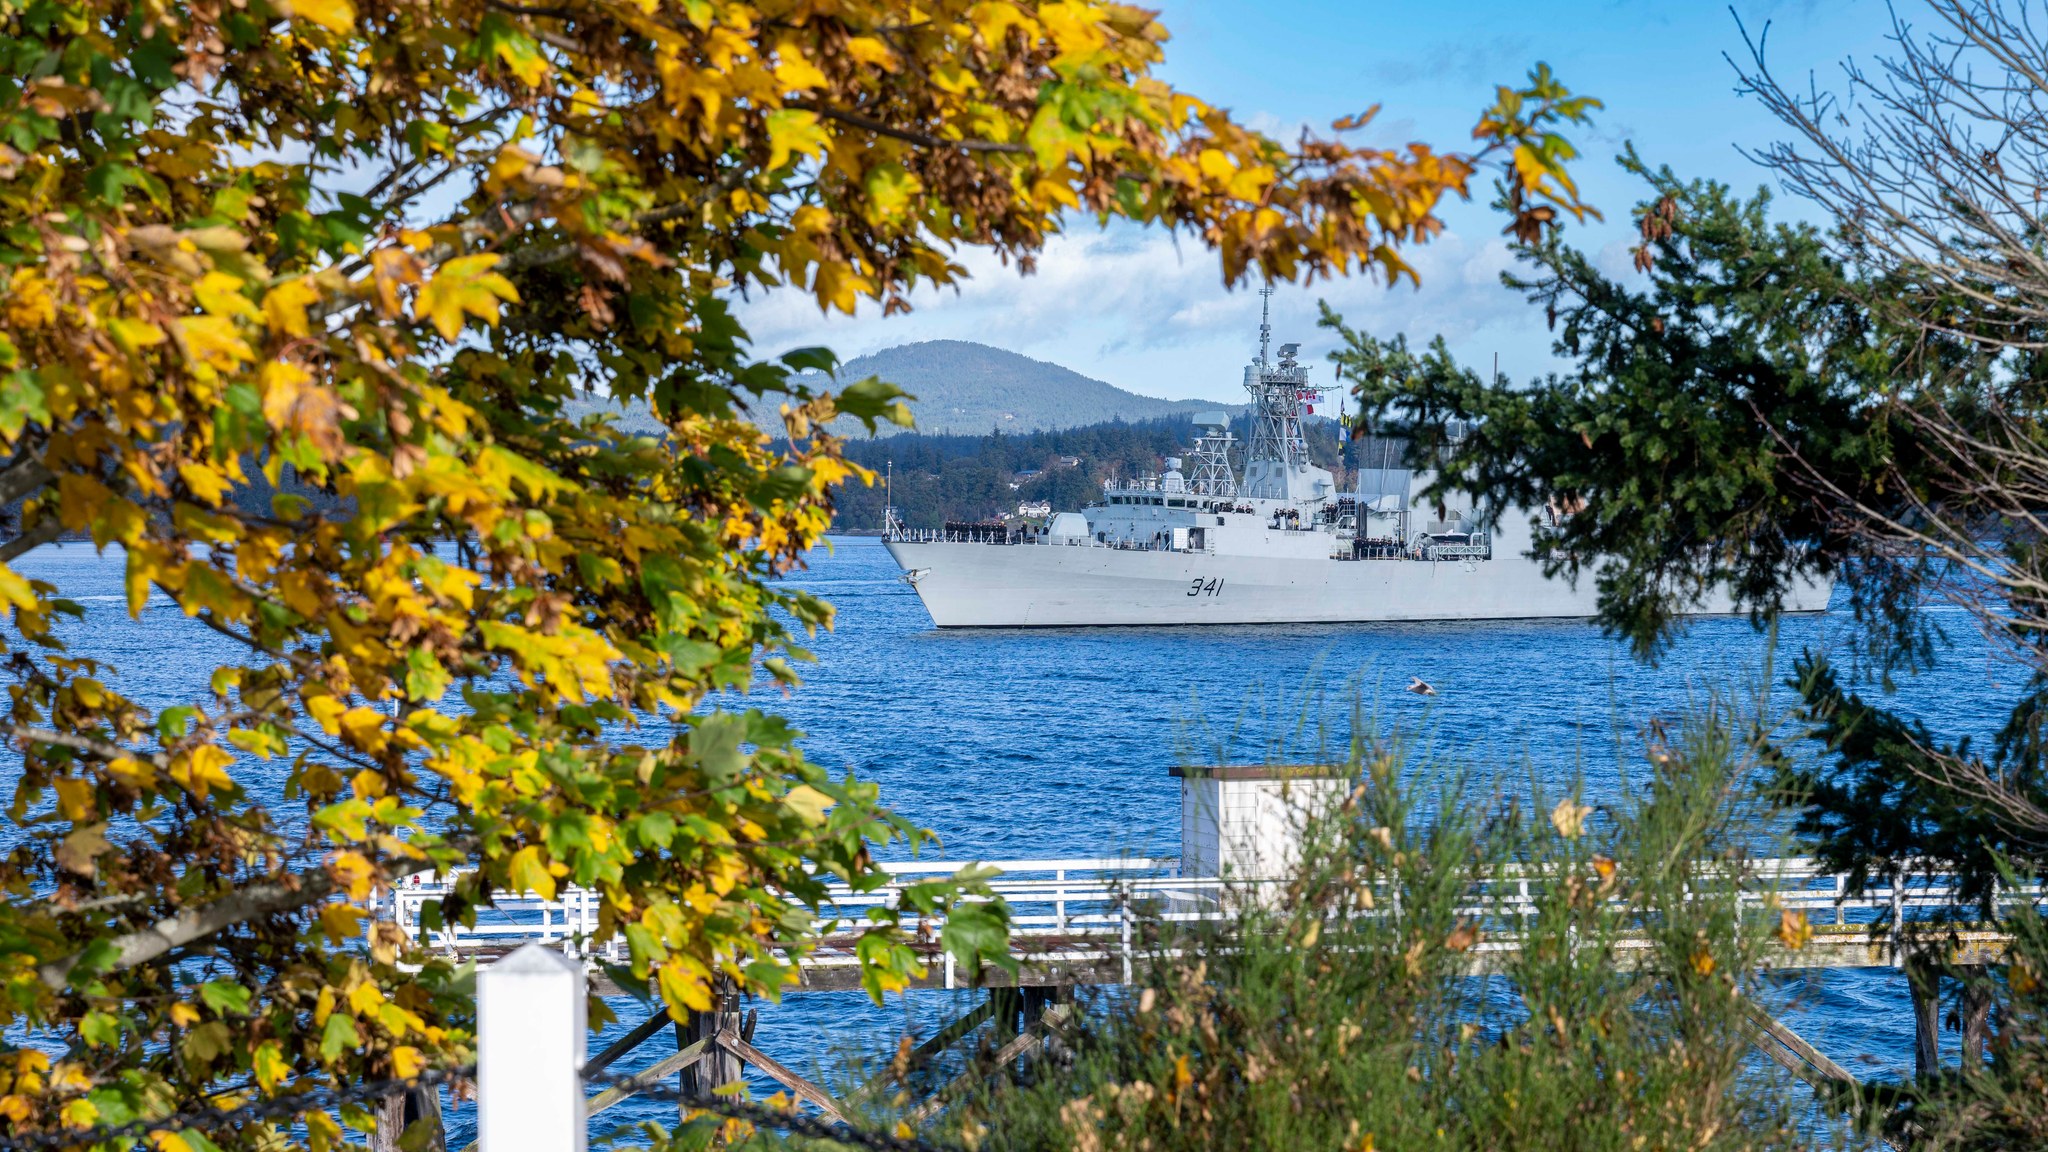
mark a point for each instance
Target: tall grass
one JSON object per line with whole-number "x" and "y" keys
{"x": 1371, "y": 1001}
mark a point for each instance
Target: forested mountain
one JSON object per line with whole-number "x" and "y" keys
{"x": 968, "y": 389}
{"x": 939, "y": 478}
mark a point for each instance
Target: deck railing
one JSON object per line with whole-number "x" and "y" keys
{"x": 1094, "y": 903}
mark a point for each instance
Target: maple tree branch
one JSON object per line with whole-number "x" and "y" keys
{"x": 857, "y": 120}
{"x": 179, "y": 929}
{"x": 30, "y": 540}
{"x": 91, "y": 746}
{"x": 23, "y": 477}
{"x": 545, "y": 13}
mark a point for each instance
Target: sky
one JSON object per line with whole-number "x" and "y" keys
{"x": 1147, "y": 311}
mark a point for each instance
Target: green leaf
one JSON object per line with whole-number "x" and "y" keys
{"x": 21, "y": 397}
{"x": 225, "y": 997}
{"x": 872, "y": 400}
{"x": 812, "y": 360}
{"x": 108, "y": 181}
{"x": 95, "y": 958}
{"x": 978, "y": 933}
{"x": 100, "y": 1029}
{"x": 338, "y": 1037}
{"x": 425, "y": 679}
{"x": 656, "y": 829}
{"x": 208, "y": 1041}
{"x": 715, "y": 747}
{"x": 890, "y": 188}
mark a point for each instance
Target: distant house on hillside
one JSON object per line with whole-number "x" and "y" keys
{"x": 1027, "y": 475}
{"x": 1030, "y": 509}
{"x": 1070, "y": 461}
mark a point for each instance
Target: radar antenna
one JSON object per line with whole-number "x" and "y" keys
{"x": 1265, "y": 323}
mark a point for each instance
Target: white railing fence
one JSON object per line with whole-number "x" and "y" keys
{"x": 1069, "y": 907}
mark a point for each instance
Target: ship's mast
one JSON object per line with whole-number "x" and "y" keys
{"x": 1265, "y": 323}
{"x": 1276, "y": 460}
{"x": 889, "y": 500}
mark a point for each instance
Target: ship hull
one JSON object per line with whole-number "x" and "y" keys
{"x": 965, "y": 585}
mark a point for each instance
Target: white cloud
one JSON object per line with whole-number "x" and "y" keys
{"x": 1144, "y": 312}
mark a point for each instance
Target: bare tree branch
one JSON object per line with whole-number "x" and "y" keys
{"x": 43, "y": 533}
{"x": 22, "y": 477}
{"x": 253, "y": 901}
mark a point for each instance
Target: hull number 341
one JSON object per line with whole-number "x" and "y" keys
{"x": 1212, "y": 588}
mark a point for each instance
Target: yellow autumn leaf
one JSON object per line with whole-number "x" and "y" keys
{"x": 364, "y": 998}
{"x": 221, "y": 295}
{"x": 134, "y": 335}
{"x": 202, "y": 768}
{"x": 792, "y": 132}
{"x": 464, "y": 286}
{"x": 809, "y": 803}
{"x": 795, "y": 72}
{"x": 280, "y": 383}
{"x": 75, "y": 799}
{"x": 326, "y": 712}
{"x": 269, "y": 1065}
{"x": 213, "y": 342}
{"x": 684, "y": 981}
{"x": 354, "y": 872}
{"x": 340, "y": 922}
{"x": 285, "y": 305}
{"x": 337, "y": 16}
{"x": 205, "y": 481}
{"x": 528, "y": 873}
{"x": 869, "y": 50}
{"x": 15, "y": 589}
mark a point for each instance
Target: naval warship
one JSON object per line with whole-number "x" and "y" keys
{"x": 1271, "y": 542}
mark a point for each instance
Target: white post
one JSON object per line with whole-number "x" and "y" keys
{"x": 1124, "y": 910}
{"x": 530, "y": 1033}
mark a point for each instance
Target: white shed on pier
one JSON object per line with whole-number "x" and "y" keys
{"x": 1244, "y": 822}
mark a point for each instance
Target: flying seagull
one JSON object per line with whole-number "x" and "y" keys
{"x": 1420, "y": 687}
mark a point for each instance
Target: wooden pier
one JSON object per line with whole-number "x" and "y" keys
{"x": 1081, "y": 922}
{"x": 1097, "y": 921}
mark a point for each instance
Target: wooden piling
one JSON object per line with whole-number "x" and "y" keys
{"x": 720, "y": 1066}
{"x": 389, "y": 1115}
{"x": 1007, "y": 1007}
{"x": 1923, "y": 980}
{"x": 424, "y": 1104}
{"x": 1976, "y": 1021}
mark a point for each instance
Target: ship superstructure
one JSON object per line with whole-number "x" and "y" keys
{"x": 1272, "y": 541}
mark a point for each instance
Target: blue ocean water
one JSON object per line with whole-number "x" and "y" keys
{"x": 1057, "y": 742}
